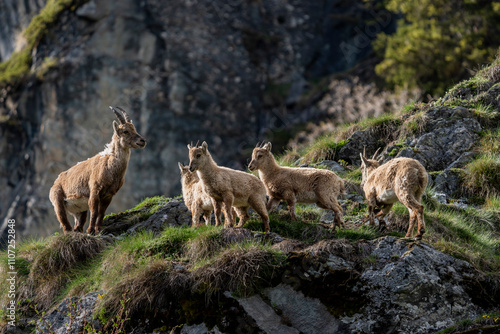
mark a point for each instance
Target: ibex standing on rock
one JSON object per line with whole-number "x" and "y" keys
{"x": 229, "y": 187}
{"x": 297, "y": 185}
{"x": 401, "y": 179}
{"x": 91, "y": 184}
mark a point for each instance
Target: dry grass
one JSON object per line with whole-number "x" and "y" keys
{"x": 146, "y": 290}
{"x": 206, "y": 245}
{"x": 211, "y": 241}
{"x": 64, "y": 252}
{"x": 241, "y": 268}
{"x": 52, "y": 265}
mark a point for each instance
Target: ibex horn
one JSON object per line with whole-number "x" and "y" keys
{"x": 364, "y": 151}
{"x": 376, "y": 152}
{"x": 127, "y": 117}
{"x": 197, "y": 143}
{"x": 118, "y": 115}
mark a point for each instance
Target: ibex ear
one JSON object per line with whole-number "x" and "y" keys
{"x": 268, "y": 146}
{"x": 115, "y": 126}
{"x": 204, "y": 147}
{"x": 189, "y": 146}
{"x": 180, "y": 165}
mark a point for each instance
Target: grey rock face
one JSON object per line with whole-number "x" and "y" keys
{"x": 71, "y": 316}
{"x": 355, "y": 145}
{"x": 332, "y": 165}
{"x": 15, "y": 17}
{"x": 265, "y": 317}
{"x": 450, "y": 133}
{"x": 308, "y": 315}
{"x": 173, "y": 213}
{"x": 448, "y": 182}
{"x": 412, "y": 288}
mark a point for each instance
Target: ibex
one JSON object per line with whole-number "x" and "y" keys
{"x": 400, "y": 179}
{"x": 229, "y": 187}
{"x": 198, "y": 201}
{"x": 297, "y": 185}
{"x": 91, "y": 184}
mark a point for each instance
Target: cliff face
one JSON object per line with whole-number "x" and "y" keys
{"x": 184, "y": 71}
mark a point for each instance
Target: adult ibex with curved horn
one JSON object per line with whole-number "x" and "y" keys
{"x": 91, "y": 184}
{"x": 400, "y": 179}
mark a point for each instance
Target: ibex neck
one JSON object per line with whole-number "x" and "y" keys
{"x": 270, "y": 167}
{"x": 119, "y": 156}
{"x": 207, "y": 170}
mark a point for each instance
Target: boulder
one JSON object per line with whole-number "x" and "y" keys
{"x": 72, "y": 316}
{"x": 450, "y": 133}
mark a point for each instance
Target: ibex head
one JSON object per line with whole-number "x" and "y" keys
{"x": 368, "y": 165}
{"x": 126, "y": 131}
{"x": 186, "y": 176}
{"x": 198, "y": 156}
{"x": 260, "y": 155}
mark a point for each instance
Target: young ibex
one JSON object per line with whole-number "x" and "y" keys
{"x": 91, "y": 184}
{"x": 401, "y": 179}
{"x": 229, "y": 187}
{"x": 297, "y": 185}
{"x": 196, "y": 198}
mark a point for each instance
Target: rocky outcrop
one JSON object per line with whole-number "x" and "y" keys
{"x": 173, "y": 213}
{"x": 443, "y": 142}
{"x": 449, "y": 133}
{"x": 387, "y": 285}
{"x": 218, "y": 71}
{"x": 72, "y": 316}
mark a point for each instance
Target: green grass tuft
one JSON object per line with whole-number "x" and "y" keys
{"x": 482, "y": 176}
{"x": 325, "y": 148}
{"x": 490, "y": 142}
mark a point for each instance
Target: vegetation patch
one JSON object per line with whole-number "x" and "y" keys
{"x": 486, "y": 323}
{"x": 325, "y": 148}
{"x": 434, "y": 45}
{"x": 149, "y": 289}
{"x": 46, "y": 267}
{"x": 307, "y": 228}
{"x": 17, "y": 67}
{"x": 490, "y": 142}
{"x": 241, "y": 268}
{"x": 482, "y": 176}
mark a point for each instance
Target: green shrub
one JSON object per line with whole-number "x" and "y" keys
{"x": 436, "y": 42}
